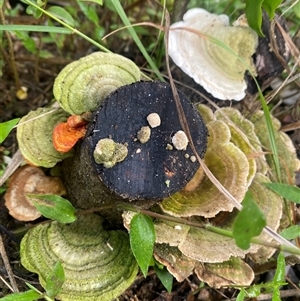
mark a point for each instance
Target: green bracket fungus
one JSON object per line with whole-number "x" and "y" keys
{"x": 225, "y": 273}
{"x": 98, "y": 264}
{"x": 82, "y": 85}
{"x": 34, "y": 135}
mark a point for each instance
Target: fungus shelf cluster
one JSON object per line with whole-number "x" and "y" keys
{"x": 235, "y": 156}
{"x": 132, "y": 147}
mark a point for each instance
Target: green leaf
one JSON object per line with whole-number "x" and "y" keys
{"x": 279, "y": 278}
{"x": 289, "y": 192}
{"x": 89, "y": 12}
{"x": 248, "y": 223}
{"x": 37, "y": 28}
{"x": 241, "y": 295}
{"x": 28, "y": 42}
{"x": 33, "y": 288}
{"x": 45, "y": 54}
{"x": 291, "y": 232}
{"x": 280, "y": 270}
{"x": 55, "y": 281}
{"x": 142, "y": 238}
{"x": 165, "y": 277}
{"x": 62, "y": 14}
{"x": 296, "y": 9}
{"x": 30, "y": 10}
{"x": 6, "y": 127}
{"x": 270, "y": 6}
{"x": 30, "y": 295}
{"x": 99, "y": 32}
{"x": 54, "y": 207}
{"x": 253, "y": 13}
{"x": 254, "y": 291}
{"x": 100, "y": 2}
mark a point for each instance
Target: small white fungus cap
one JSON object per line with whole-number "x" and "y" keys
{"x": 180, "y": 140}
{"x": 154, "y": 120}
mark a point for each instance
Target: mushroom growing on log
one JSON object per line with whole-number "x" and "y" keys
{"x": 270, "y": 58}
{"x": 82, "y": 85}
{"x": 98, "y": 264}
{"x": 29, "y": 179}
{"x": 213, "y": 53}
{"x": 34, "y": 134}
{"x": 151, "y": 169}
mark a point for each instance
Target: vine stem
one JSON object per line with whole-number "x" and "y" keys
{"x": 207, "y": 227}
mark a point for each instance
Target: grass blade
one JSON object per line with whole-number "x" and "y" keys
{"x": 135, "y": 37}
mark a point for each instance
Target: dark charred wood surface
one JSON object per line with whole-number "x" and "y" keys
{"x": 150, "y": 171}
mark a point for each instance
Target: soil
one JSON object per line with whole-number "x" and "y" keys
{"x": 36, "y": 75}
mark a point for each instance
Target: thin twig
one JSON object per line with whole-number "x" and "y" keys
{"x": 283, "y": 294}
{"x": 7, "y": 266}
{"x": 16, "y": 161}
{"x": 6, "y": 283}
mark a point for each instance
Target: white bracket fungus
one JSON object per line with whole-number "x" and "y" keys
{"x": 192, "y": 46}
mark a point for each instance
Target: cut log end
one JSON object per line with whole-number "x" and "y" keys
{"x": 151, "y": 170}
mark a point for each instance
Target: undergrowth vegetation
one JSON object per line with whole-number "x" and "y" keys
{"x": 62, "y": 34}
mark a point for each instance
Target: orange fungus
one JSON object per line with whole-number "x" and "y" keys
{"x": 65, "y": 135}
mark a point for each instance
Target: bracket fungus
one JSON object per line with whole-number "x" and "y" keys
{"x": 234, "y": 155}
{"x": 195, "y": 46}
{"x": 225, "y": 273}
{"x": 82, "y": 85}
{"x": 34, "y": 135}
{"x": 219, "y": 262}
{"x": 217, "y": 251}
{"x": 66, "y": 134}
{"x": 286, "y": 150}
{"x": 98, "y": 264}
{"x": 116, "y": 160}
{"x": 29, "y": 179}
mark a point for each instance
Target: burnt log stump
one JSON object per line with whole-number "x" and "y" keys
{"x": 152, "y": 169}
